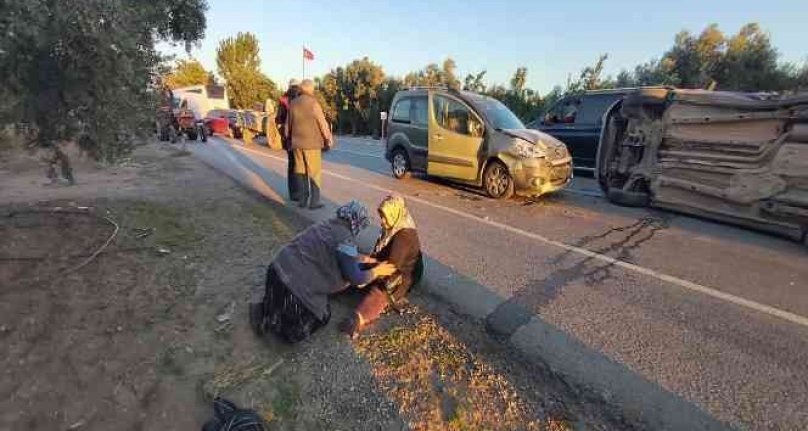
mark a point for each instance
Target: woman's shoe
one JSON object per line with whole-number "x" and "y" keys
{"x": 257, "y": 318}
{"x": 351, "y": 327}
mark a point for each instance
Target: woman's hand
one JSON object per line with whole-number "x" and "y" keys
{"x": 367, "y": 259}
{"x": 383, "y": 270}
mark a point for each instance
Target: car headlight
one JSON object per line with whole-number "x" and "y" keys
{"x": 526, "y": 150}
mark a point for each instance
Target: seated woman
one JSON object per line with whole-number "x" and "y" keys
{"x": 398, "y": 245}
{"x": 318, "y": 262}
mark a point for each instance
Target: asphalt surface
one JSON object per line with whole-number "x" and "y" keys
{"x": 715, "y": 314}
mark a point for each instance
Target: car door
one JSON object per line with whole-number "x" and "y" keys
{"x": 455, "y": 139}
{"x": 419, "y": 131}
{"x": 588, "y": 124}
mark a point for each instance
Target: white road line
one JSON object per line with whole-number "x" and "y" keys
{"x": 376, "y": 156}
{"x": 728, "y": 297}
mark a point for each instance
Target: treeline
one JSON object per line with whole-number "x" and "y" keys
{"x": 353, "y": 95}
{"x": 746, "y": 61}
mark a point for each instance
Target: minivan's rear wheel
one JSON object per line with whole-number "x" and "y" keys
{"x": 497, "y": 181}
{"x": 400, "y": 164}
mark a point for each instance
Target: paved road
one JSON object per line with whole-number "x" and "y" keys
{"x": 715, "y": 314}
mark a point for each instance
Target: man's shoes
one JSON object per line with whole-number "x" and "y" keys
{"x": 316, "y": 206}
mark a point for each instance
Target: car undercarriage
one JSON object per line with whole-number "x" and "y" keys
{"x": 735, "y": 157}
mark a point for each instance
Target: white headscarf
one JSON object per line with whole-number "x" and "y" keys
{"x": 395, "y": 211}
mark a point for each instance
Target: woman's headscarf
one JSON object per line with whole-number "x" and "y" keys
{"x": 395, "y": 211}
{"x": 356, "y": 214}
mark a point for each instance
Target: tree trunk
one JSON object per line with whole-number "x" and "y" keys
{"x": 63, "y": 161}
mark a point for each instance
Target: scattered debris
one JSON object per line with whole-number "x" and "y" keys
{"x": 143, "y": 232}
{"x": 225, "y": 316}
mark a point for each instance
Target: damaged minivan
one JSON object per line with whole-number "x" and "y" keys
{"x": 740, "y": 158}
{"x": 472, "y": 139}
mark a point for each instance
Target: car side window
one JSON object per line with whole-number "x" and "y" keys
{"x": 564, "y": 112}
{"x": 592, "y": 108}
{"x": 419, "y": 112}
{"x": 401, "y": 113}
{"x": 456, "y": 117}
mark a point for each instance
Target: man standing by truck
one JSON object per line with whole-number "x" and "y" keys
{"x": 294, "y": 183}
{"x": 310, "y": 134}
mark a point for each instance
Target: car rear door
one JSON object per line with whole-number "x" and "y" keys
{"x": 453, "y": 144}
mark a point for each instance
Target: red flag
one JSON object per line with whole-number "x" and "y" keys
{"x": 308, "y": 55}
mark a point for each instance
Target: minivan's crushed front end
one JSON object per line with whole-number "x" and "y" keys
{"x": 538, "y": 162}
{"x": 735, "y": 157}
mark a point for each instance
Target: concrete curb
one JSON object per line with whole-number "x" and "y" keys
{"x": 639, "y": 399}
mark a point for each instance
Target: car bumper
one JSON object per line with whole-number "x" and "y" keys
{"x": 535, "y": 177}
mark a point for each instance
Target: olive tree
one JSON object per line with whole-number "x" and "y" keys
{"x": 185, "y": 73}
{"x": 239, "y": 63}
{"x": 85, "y": 72}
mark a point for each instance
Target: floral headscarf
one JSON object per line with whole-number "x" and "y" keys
{"x": 356, "y": 214}
{"x": 395, "y": 211}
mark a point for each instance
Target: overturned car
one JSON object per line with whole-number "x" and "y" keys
{"x": 734, "y": 157}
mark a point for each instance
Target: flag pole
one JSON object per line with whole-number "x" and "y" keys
{"x": 303, "y": 54}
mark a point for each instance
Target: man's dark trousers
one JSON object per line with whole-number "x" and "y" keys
{"x": 294, "y": 181}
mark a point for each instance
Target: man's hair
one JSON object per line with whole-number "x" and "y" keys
{"x": 307, "y": 85}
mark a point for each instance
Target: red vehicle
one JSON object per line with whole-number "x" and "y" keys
{"x": 217, "y": 122}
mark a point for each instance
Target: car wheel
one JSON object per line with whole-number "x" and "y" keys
{"x": 400, "y": 164}
{"x": 497, "y": 181}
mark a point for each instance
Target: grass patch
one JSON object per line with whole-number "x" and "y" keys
{"x": 271, "y": 219}
{"x": 285, "y": 402}
{"x": 170, "y": 226}
{"x": 439, "y": 384}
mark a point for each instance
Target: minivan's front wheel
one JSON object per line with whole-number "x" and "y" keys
{"x": 400, "y": 164}
{"x": 497, "y": 181}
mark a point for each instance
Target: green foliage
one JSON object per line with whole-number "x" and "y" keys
{"x": 186, "y": 73}
{"x": 239, "y": 63}
{"x": 84, "y": 72}
{"x": 474, "y": 82}
{"x": 745, "y": 61}
{"x": 433, "y": 75}
{"x": 589, "y": 78}
{"x": 353, "y": 94}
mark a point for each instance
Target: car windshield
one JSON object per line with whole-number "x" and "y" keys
{"x": 498, "y": 114}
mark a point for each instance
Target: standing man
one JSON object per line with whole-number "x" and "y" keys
{"x": 310, "y": 134}
{"x": 293, "y": 181}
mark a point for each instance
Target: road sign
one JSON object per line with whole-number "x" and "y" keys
{"x": 383, "y": 115}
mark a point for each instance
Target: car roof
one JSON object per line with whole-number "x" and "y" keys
{"x": 466, "y": 96}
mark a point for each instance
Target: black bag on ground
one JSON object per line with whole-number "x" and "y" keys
{"x": 228, "y": 417}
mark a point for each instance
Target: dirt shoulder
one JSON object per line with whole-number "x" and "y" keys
{"x": 143, "y": 336}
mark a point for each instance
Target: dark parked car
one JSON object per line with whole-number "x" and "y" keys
{"x": 236, "y": 120}
{"x": 577, "y": 121}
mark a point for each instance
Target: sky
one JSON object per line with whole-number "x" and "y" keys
{"x": 551, "y": 39}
